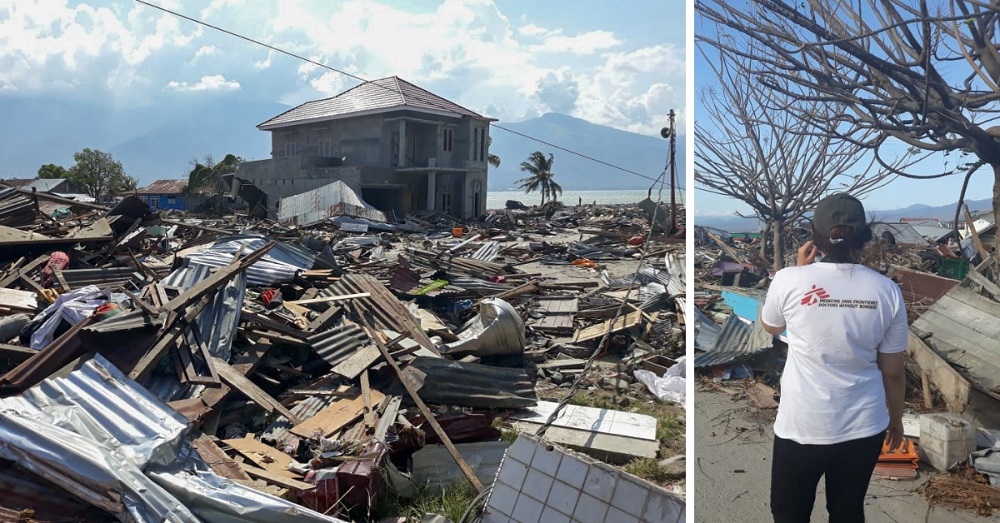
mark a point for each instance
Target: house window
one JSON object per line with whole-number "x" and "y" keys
{"x": 154, "y": 202}
{"x": 289, "y": 149}
{"x": 324, "y": 148}
{"x": 478, "y": 144}
{"x": 171, "y": 200}
{"x": 449, "y": 140}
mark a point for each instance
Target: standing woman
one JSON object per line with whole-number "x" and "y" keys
{"x": 843, "y": 384}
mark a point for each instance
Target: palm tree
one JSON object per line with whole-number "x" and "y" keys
{"x": 491, "y": 158}
{"x": 540, "y": 169}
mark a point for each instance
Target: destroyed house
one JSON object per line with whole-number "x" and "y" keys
{"x": 398, "y": 146}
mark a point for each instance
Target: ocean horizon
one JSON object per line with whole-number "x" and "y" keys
{"x": 498, "y": 199}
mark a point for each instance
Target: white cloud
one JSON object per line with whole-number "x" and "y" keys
{"x": 215, "y": 82}
{"x": 532, "y": 30}
{"x": 266, "y": 62}
{"x": 205, "y": 50}
{"x": 584, "y": 43}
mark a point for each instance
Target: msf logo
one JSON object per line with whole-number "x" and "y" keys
{"x": 812, "y": 297}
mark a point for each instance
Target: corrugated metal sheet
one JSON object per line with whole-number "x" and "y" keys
{"x": 107, "y": 277}
{"x": 707, "y": 331}
{"x": 336, "y": 344}
{"x": 471, "y": 384}
{"x": 388, "y": 311}
{"x": 904, "y": 233}
{"x": 434, "y": 467}
{"x": 488, "y": 252}
{"x": 497, "y": 329}
{"x": 22, "y": 491}
{"x": 335, "y": 199}
{"x": 111, "y": 443}
{"x": 280, "y": 264}
{"x": 737, "y": 341}
{"x": 218, "y": 322}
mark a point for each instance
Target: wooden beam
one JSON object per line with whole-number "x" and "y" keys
{"x": 424, "y": 410}
{"x": 952, "y": 385}
{"x": 238, "y": 381}
{"x": 366, "y": 396}
{"x": 975, "y": 235}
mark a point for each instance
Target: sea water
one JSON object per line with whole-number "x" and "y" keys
{"x": 497, "y": 199}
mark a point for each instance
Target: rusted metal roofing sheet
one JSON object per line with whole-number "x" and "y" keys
{"x": 335, "y": 199}
{"x": 373, "y": 96}
{"x": 164, "y": 187}
{"x": 737, "y": 341}
{"x": 965, "y": 331}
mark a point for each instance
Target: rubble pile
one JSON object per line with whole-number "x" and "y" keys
{"x": 168, "y": 368}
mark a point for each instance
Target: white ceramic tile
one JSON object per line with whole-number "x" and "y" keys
{"x": 590, "y": 510}
{"x": 502, "y": 499}
{"x": 537, "y": 485}
{"x": 593, "y": 419}
{"x": 512, "y": 473}
{"x": 563, "y": 497}
{"x": 600, "y": 483}
{"x": 573, "y": 471}
{"x": 527, "y": 510}
{"x": 662, "y": 508}
{"x": 546, "y": 460}
{"x": 549, "y": 515}
{"x": 522, "y": 449}
{"x": 630, "y": 497}
{"x": 617, "y": 516}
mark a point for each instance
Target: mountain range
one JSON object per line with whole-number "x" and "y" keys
{"x": 945, "y": 213}
{"x": 162, "y": 140}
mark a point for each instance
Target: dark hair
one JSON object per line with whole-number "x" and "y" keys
{"x": 843, "y": 244}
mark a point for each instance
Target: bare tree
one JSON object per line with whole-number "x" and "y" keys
{"x": 924, "y": 75}
{"x": 749, "y": 149}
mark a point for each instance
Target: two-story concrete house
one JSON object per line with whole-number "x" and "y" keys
{"x": 400, "y": 147}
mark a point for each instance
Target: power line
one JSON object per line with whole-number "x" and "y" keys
{"x": 388, "y": 88}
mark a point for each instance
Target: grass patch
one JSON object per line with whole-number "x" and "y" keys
{"x": 452, "y": 503}
{"x": 649, "y": 470}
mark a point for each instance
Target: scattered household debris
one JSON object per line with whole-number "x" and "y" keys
{"x": 167, "y": 366}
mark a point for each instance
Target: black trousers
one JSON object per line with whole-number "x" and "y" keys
{"x": 795, "y": 473}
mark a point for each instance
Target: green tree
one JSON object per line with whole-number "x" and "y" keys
{"x": 99, "y": 174}
{"x": 208, "y": 176}
{"x": 541, "y": 179}
{"x": 51, "y": 170}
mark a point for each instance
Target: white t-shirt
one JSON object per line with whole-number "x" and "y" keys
{"x": 839, "y": 316}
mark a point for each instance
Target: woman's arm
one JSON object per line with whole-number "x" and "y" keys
{"x": 894, "y": 379}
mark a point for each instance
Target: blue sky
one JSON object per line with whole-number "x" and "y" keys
{"x": 902, "y": 192}
{"x": 508, "y": 59}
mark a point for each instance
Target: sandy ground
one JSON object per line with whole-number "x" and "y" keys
{"x": 732, "y": 471}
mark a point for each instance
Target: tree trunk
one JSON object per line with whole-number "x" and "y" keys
{"x": 779, "y": 246}
{"x": 763, "y": 240}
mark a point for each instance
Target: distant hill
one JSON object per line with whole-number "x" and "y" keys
{"x": 919, "y": 210}
{"x": 160, "y": 140}
{"x": 153, "y": 142}
{"x": 643, "y": 154}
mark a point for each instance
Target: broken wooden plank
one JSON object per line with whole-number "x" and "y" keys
{"x": 238, "y": 381}
{"x": 358, "y": 362}
{"x": 366, "y": 396}
{"x": 596, "y": 331}
{"x": 217, "y": 460}
{"x": 274, "y": 479}
{"x": 334, "y": 417}
{"x": 263, "y": 455}
{"x": 953, "y": 386}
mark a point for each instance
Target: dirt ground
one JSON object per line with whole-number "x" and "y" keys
{"x": 732, "y": 470}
